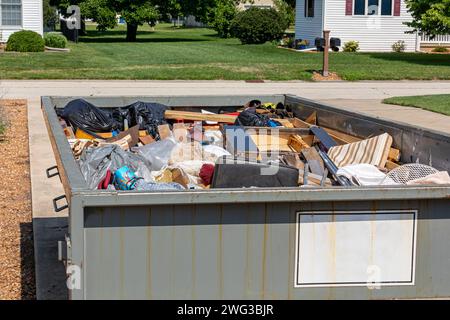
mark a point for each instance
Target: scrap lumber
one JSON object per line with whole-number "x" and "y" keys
{"x": 297, "y": 143}
{"x": 285, "y": 123}
{"x": 315, "y": 161}
{"x": 343, "y": 138}
{"x": 312, "y": 119}
{"x": 197, "y": 116}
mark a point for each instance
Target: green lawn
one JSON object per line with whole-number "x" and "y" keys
{"x": 438, "y": 103}
{"x": 169, "y": 53}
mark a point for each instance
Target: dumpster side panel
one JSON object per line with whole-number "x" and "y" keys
{"x": 241, "y": 251}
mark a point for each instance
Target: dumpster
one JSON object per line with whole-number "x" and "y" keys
{"x": 330, "y": 242}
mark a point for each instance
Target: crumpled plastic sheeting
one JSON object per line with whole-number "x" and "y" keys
{"x": 94, "y": 162}
{"x": 157, "y": 153}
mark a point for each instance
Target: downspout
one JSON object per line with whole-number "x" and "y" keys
{"x": 324, "y": 10}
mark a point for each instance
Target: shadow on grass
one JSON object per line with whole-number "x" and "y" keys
{"x": 138, "y": 40}
{"x": 416, "y": 58}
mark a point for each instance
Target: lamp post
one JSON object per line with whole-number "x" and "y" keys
{"x": 326, "y": 36}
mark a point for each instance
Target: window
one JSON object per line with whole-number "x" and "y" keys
{"x": 309, "y": 8}
{"x": 372, "y": 7}
{"x": 11, "y": 12}
{"x": 360, "y": 7}
{"x": 386, "y": 7}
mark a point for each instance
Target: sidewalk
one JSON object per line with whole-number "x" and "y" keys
{"x": 364, "y": 97}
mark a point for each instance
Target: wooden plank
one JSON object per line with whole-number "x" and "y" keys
{"x": 391, "y": 165}
{"x": 297, "y": 143}
{"x": 314, "y": 160}
{"x": 312, "y": 119}
{"x": 285, "y": 122}
{"x": 197, "y": 116}
{"x": 343, "y": 138}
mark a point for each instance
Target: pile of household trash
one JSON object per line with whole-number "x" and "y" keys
{"x": 149, "y": 146}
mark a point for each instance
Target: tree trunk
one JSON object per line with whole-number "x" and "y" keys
{"x": 131, "y": 32}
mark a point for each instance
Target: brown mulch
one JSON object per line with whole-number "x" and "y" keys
{"x": 317, "y": 76}
{"x": 17, "y": 279}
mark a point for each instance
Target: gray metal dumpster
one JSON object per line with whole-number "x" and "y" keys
{"x": 289, "y": 243}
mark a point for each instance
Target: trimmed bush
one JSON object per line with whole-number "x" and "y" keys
{"x": 257, "y": 25}
{"x": 440, "y": 49}
{"x": 55, "y": 40}
{"x": 25, "y": 41}
{"x": 351, "y": 46}
{"x": 399, "y": 46}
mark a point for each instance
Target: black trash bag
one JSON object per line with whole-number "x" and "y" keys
{"x": 250, "y": 118}
{"x": 81, "y": 114}
{"x": 147, "y": 115}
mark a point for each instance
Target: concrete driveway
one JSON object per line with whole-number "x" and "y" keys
{"x": 364, "y": 97}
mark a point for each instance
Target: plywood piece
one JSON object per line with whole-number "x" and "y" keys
{"x": 314, "y": 160}
{"x": 343, "y": 138}
{"x": 391, "y": 165}
{"x": 312, "y": 119}
{"x": 297, "y": 143}
{"x": 268, "y": 142}
{"x": 285, "y": 123}
{"x": 197, "y": 116}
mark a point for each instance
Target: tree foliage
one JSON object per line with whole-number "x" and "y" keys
{"x": 431, "y": 17}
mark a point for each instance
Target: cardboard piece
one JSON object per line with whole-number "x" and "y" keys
{"x": 133, "y": 132}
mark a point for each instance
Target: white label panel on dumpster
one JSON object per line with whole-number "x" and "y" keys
{"x": 357, "y": 248}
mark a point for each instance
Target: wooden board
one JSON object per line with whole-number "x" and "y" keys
{"x": 297, "y": 143}
{"x": 343, "y": 138}
{"x": 314, "y": 160}
{"x": 197, "y": 116}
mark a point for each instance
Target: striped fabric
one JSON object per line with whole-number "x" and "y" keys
{"x": 373, "y": 151}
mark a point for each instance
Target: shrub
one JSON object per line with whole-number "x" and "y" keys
{"x": 351, "y": 46}
{"x": 286, "y": 11}
{"x": 25, "y": 41}
{"x": 257, "y": 25}
{"x": 221, "y": 18}
{"x": 55, "y": 40}
{"x": 399, "y": 46}
{"x": 440, "y": 49}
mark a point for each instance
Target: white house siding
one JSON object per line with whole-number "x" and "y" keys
{"x": 32, "y": 19}
{"x": 308, "y": 28}
{"x": 373, "y": 35}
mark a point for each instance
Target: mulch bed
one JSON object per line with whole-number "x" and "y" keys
{"x": 317, "y": 76}
{"x": 17, "y": 280}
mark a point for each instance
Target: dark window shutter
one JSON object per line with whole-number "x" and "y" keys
{"x": 397, "y": 5}
{"x": 348, "y": 7}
